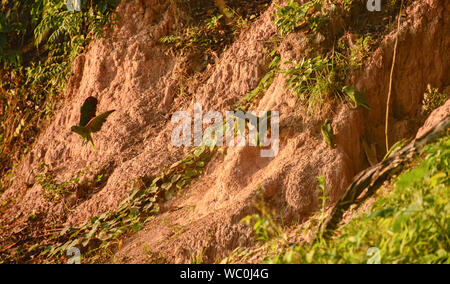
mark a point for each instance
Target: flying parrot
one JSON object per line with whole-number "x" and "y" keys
{"x": 327, "y": 133}
{"x": 89, "y": 122}
{"x": 356, "y": 97}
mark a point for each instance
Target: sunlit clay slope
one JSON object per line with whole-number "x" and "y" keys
{"x": 136, "y": 74}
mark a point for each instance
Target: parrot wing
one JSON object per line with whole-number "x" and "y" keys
{"x": 88, "y": 110}
{"x": 361, "y": 100}
{"x": 97, "y": 122}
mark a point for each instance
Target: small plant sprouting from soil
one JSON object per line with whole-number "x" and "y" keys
{"x": 407, "y": 225}
{"x": 358, "y": 50}
{"x": 251, "y": 97}
{"x": 101, "y": 235}
{"x": 38, "y": 41}
{"x": 210, "y": 28}
{"x": 432, "y": 99}
{"x": 54, "y": 191}
{"x": 294, "y": 16}
{"x": 197, "y": 258}
{"x": 264, "y": 223}
{"x": 313, "y": 80}
{"x": 202, "y": 38}
{"x": 322, "y": 191}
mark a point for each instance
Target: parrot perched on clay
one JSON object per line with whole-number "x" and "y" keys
{"x": 356, "y": 97}
{"x": 251, "y": 119}
{"x": 327, "y": 133}
{"x": 89, "y": 122}
{"x": 259, "y": 120}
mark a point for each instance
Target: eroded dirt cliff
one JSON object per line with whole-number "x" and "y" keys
{"x": 133, "y": 72}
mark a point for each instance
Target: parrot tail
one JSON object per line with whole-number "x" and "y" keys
{"x": 89, "y": 138}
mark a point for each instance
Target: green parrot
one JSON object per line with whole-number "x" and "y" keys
{"x": 356, "y": 97}
{"x": 266, "y": 117}
{"x": 395, "y": 148}
{"x": 89, "y": 122}
{"x": 327, "y": 133}
{"x": 250, "y": 119}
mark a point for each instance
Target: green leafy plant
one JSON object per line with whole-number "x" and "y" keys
{"x": 362, "y": 49}
{"x": 54, "y": 191}
{"x": 433, "y": 99}
{"x": 203, "y": 37}
{"x": 347, "y": 5}
{"x": 313, "y": 80}
{"x": 322, "y": 191}
{"x": 293, "y": 16}
{"x": 264, "y": 224}
{"x": 197, "y": 259}
{"x": 214, "y": 22}
{"x": 102, "y": 234}
{"x": 263, "y": 85}
{"x": 38, "y": 41}
{"x": 408, "y": 225}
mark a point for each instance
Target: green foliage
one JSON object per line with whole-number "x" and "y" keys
{"x": 54, "y": 191}
{"x": 214, "y": 22}
{"x": 238, "y": 22}
{"x": 327, "y": 133}
{"x": 265, "y": 226}
{"x": 409, "y": 225}
{"x": 432, "y": 100}
{"x": 197, "y": 259}
{"x": 13, "y": 26}
{"x": 347, "y": 5}
{"x": 322, "y": 191}
{"x": 102, "y": 234}
{"x": 263, "y": 85}
{"x": 351, "y": 56}
{"x": 364, "y": 46}
{"x": 392, "y": 6}
{"x": 313, "y": 80}
{"x": 202, "y": 37}
{"x": 139, "y": 207}
{"x": 170, "y": 39}
{"x": 38, "y": 41}
{"x": 47, "y": 22}
{"x": 395, "y": 148}
{"x": 293, "y": 16}
{"x": 438, "y": 160}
